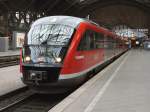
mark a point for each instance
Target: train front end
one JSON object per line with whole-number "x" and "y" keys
{"x": 43, "y": 54}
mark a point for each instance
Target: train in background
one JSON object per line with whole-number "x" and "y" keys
{"x": 61, "y": 51}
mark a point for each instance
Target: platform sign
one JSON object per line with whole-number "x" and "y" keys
{"x": 20, "y": 39}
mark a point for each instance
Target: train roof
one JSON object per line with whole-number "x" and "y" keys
{"x": 64, "y": 20}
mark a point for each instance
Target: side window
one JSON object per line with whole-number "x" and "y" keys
{"x": 106, "y": 42}
{"x": 91, "y": 40}
{"x": 117, "y": 43}
{"x": 109, "y": 42}
{"x": 99, "y": 40}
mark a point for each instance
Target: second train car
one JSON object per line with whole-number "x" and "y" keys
{"x": 60, "y": 51}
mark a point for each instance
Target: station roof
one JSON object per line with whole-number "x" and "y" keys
{"x": 79, "y": 8}
{"x": 54, "y": 6}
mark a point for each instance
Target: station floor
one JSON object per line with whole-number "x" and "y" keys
{"x": 10, "y": 53}
{"x": 124, "y": 86}
{"x": 10, "y": 79}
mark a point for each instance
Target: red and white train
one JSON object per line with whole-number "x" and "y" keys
{"x": 61, "y": 51}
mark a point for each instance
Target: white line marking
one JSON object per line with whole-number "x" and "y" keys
{"x": 101, "y": 91}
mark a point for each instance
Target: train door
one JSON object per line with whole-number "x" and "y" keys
{"x": 108, "y": 47}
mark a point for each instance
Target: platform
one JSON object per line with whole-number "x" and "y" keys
{"x": 124, "y": 86}
{"x": 10, "y": 53}
{"x": 10, "y": 79}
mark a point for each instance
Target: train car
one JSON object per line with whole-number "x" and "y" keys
{"x": 61, "y": 51}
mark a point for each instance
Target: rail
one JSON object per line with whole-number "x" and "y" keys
{"x": 30, "y": 102}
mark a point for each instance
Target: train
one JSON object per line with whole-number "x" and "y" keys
{"x": 60, "y": 52}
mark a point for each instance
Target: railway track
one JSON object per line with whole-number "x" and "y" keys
{"x": 10, "y": 63}
{"x": 12, "y": 98}
{"x": 28, "y": 101}
{"x": 6, "y": 61}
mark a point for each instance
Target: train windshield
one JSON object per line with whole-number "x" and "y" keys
{"x": 53, "y": 34}
{"x": 47, "y": 43}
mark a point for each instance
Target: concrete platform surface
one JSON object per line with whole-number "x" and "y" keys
{"x": 10, "y": 79}
{"x": 124, "y": 86}
{"x": 10, "y": 53}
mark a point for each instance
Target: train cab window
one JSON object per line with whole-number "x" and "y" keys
{"x": 84, "y": 42}
{"x": 88, "y": 41}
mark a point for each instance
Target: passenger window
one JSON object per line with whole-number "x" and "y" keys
{"x": 99, "y": 40}
{"x": 109, "y": 42}
{"x": 117, "y": 43}
{"x": 91, "y": 40}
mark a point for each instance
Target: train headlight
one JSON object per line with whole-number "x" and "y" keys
{"x": 27, "y": 58}
{"x": 58, "y": 59}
